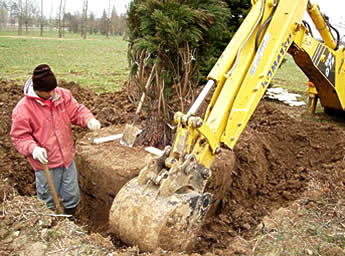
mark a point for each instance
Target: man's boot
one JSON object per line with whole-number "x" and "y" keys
{"x": 70, "y": 211}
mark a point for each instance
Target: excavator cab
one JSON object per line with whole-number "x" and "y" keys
{"x": 166, "y": 205}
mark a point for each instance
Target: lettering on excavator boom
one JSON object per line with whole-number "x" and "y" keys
{"x": 274, "y": 67}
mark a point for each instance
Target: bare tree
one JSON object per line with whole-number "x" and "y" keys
{"x": 51, "y": 19}
{"x": 31, "y": 12}
{"x": 26, "y": 14}
{"x": 84, "y": 19}
{"x": 60, "y": 15}
{"x": 41, "y": 21}
{"x": 108, "y": 20}
{"x": 20, "y": 17}
{"x": 63, "y": 18}
{"x": 3, "y": 15}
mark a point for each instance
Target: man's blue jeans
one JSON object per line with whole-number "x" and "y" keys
{"x": 66, "y": 185}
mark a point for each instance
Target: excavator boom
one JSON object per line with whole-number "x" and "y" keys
{"x": 167, "y": 203}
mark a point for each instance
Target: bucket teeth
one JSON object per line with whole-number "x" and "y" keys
{"x": 139, "y": 216}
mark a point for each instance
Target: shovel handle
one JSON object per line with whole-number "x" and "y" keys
{"x": 58, "y": 207}
{"x": 147, "y": 85}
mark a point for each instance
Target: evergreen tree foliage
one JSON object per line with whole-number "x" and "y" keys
{"x": 184, "y": 38}
{"x": 238, "y": 10}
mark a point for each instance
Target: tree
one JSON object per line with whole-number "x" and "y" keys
{"x": 170, "y": 39}
{"x": 30, "y": 13}
{"x": 61, "y": 15}
{"x": 73, "y": 22}
{"x": 3, "y": 17}
{"x": 63, "y": 18}
{"x": 114, "y": 22}
{"x": 41, "y": 19}
{"x": 103, "y": 24}
{"x": 238, "y": 10}
{"x": 84, "y": 19}
{"x": 13, "y": 12}
{"x": 20, "y": 17}
{"x": 92, "y": 24}
{"x": 108, "y": 20}
{"x": 4, "y": 14}
{"x": 123, "y": 24}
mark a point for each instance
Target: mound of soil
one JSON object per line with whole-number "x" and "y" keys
{"x": 276, "y": 156}
{"x": 109, "y": 108}
{"x": 280, "y": 153}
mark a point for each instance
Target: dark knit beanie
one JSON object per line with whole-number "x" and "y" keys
{"x": 43, "y": 78}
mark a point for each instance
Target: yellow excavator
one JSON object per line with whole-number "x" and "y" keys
{"x": 166, "y": 205}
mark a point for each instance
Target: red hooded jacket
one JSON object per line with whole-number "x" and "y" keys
{"x": 36, "y": 122}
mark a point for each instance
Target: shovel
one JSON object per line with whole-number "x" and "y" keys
{"x": 58, "y": 207}
{"x": 131, "y": 131}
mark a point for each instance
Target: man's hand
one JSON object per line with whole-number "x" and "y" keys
{"x": 40, "y": 154}
{"x": 93, "y": 124}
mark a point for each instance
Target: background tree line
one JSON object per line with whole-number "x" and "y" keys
{"x": 24, "y": 15}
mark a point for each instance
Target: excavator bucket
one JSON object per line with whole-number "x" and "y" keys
{"x": 162, "y": 208}
{"x": 139, "y": 216}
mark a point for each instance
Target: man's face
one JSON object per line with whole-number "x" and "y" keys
{"x": 45, "y": 95}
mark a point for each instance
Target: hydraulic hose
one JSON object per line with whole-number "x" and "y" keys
{"x": 260, "y": 31}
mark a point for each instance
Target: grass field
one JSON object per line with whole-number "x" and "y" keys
{"x": 97, "y": 63}
{"x": 291, "y": 77}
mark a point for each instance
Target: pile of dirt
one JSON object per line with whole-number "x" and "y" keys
{"x": 14, "y": 167}
{"x": 280, "y": 155}
{"x": 276, "y": 156}
{"x": 109, "y": 109}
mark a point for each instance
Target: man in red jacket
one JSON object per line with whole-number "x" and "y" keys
{"x": 41, "y": 131}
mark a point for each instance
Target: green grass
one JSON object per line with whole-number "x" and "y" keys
{"x": 98, "y": 63}
{"x": 289, "y": 76}
{"x": 48, "y": 33}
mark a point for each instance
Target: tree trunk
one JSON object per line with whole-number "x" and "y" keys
{"x": 20, "y": 18}
{"x": 26, "y": 17}
{"x": 63, "y": 18}
{"x": 84, "y": 19}
{"x": 41, "y": 33}
{"x": 108, "y": 21}
{"x": 59, "y": 21}
{"x": 156, "y": 133}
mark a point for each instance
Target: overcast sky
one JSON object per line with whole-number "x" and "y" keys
{"x": 335, "y": 11}
{"x": 95, "y": 6}
{"x": 332, "y": 8}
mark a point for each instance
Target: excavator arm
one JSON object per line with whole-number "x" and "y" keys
{"x": 166, "y": 204}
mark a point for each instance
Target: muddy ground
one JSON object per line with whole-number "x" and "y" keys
{"x": 283, "y": 158}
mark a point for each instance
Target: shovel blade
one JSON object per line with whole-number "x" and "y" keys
{"x": 129, "y": 135}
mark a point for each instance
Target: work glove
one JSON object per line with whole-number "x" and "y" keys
{"x": 93, "y": 124}
{"x": 40, "y": 154}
